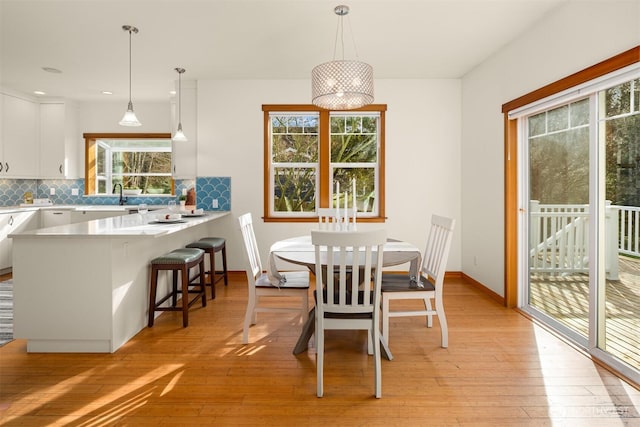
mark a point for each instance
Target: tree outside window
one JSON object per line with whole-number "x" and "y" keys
{"x": 139, "y": 162}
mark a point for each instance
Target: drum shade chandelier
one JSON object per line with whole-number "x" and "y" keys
{"x": 342, "y": 84}
{"x": 129, "y": 118}
{"x": 179, "y": 136}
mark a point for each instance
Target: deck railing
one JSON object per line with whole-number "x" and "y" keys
{"x": 559, "y": 238}
{"x": 629, "y": 237}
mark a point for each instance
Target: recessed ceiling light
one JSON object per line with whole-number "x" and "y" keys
{"x": 51, "y": 70}
{"x": 39, "y": 92}
{"x": 172, "y": 92}
{"x": 107, "y": 92}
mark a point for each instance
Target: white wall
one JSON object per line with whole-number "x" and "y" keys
{"x": 422, "y": 154}
{"x": 103, "y": 117}
{"x": 574, "y": 37}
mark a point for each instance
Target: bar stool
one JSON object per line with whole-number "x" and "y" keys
{"x": 211, "y": 245}
{"x": 179, "y": 260}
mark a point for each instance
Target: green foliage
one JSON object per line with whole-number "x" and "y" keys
{"x": 354, "y": 146}
{"x": 559, "y": 149}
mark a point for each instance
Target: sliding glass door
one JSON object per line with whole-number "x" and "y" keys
{"x": 580, "y": 253}
{"x": 617, "y": 307}
{"x": 559, "y": 218}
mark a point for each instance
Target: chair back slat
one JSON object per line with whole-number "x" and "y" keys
{"x": 352, "y": 260}
{"x": 254, "y": 267}
{"x": 326, "y": 219}
{"x": 435, "y": 256}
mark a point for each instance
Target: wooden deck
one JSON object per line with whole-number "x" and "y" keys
{"x": 566, "y": 298}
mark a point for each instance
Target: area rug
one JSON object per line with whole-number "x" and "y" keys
{"x": 6, "y": 312}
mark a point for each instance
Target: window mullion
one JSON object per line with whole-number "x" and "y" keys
{"x": 324, "y": 184}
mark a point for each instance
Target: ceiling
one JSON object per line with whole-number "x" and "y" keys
{"x": 243, "y": 39}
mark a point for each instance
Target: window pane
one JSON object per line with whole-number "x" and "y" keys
{"x": 295, "y": 148}
{"x": 636, "y": 95}
{"x": 354, "y": 139}
{"x": 354, "y": 148}
{"x": 558, "y": 118}
{"x": 538, "y": 124}
{"x": 579, "y": 113}
{"x": 294, "y": 189}
{"x": 281, "y": 124}
{"x": 141, "y": 162}
{"x": 618, "y": 100}
{"x": 101, "y": 167}
{"x": 365, "y": 183}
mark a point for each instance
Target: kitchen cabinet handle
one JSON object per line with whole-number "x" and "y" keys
{"x": 11, "y": 220}
{"x": 6, "y": 166}
{"x": 60, "y": 169}
{"x": 57, "y": 213}
{"x": 0, "y": 166}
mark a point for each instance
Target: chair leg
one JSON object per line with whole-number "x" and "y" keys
{"x": 377, "y": 361}
{"x": 152, "y": 295}
{"x": 212, "y": 273}
{"x": 385, "y": 318}
{"x": 319, "y": 360}
{"x": 444, "y": 330}
{"x": 185, "y": 295}
{"x": 248, "y": 317}
{"x": 203, "y": 283}
{"x": 224, "y": 265}
{"x": 174, "y": 288}
{"x": 427, "y": 306}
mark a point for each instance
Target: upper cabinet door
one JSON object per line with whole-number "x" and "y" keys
{"x": 52, "y": 159}
{"x": 59, "y": 138}
{"x": 20, "y": 136}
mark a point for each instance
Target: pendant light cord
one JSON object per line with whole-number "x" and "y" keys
{"x": 339, "y": 30}
{"x": 343, "y": 11}
{"x": 129, "y": 66}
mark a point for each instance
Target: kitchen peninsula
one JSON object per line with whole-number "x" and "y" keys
{"x": 84, "y": 287}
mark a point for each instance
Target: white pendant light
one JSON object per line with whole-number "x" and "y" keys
{"x": 130, "y": 118}
{"x": 342, "y": 84}
{"x": 179, "y": 136}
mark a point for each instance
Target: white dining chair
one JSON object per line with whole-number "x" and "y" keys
{"x": 294, "y": 283}
{"x": 354, "y": 258}
{"x": 427, "y": 286}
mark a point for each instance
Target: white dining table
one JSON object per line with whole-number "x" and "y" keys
{"x": 300, "y": 251}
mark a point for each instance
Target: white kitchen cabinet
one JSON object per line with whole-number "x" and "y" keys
{"x": 59, "y": 139}
{"x": 54, "y": 217}
{"x": 14, "y": 222}
{"x": 184, "y": 153}
{"x": 19, "y": 155}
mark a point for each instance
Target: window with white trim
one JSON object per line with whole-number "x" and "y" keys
{"x": 311, "y": 154}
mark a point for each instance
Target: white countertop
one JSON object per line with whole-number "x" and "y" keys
{"x": 80, "y": 208}
{"x": 121, "y": 226}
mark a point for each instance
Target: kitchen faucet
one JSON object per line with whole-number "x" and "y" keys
{"x": 122, "y": 200}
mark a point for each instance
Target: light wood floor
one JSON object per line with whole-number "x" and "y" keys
{"x": 500, "y": 369}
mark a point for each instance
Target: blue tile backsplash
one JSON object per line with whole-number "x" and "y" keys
{"x": 207, "y": 189}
